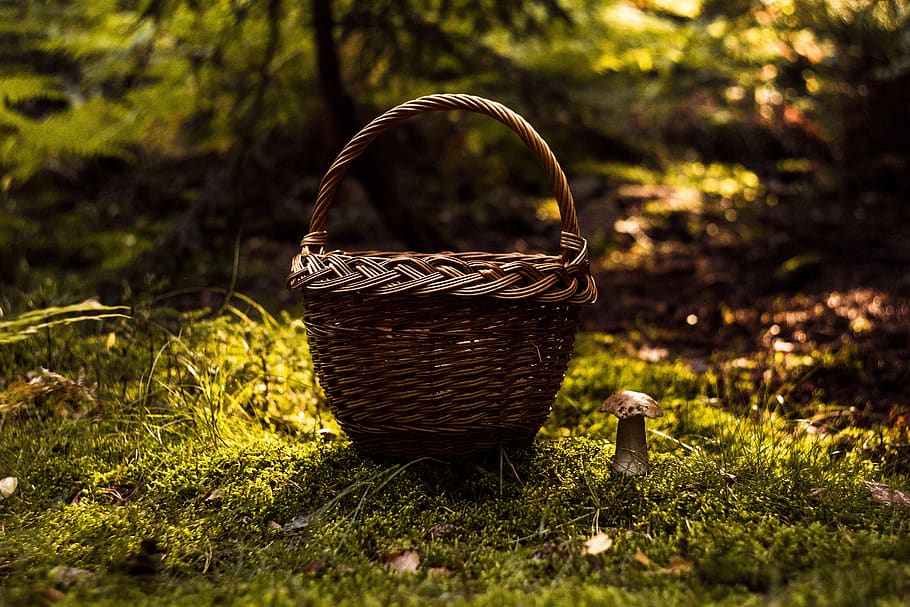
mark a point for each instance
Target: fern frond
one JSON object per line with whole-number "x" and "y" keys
{"x": 96, "y": 128}
{"x": 111, "y": 35}
{"x": 22, "y": 87}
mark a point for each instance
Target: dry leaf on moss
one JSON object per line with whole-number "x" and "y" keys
{"x": 642, "y": 559}
{"x": 65, "y": 577}
{"x": 49, "y": 394}
{"x": 599, "y": 543}
{"x": 680, "y": 564}
{"x": 214, "y": 495}
{"x": 884, "y": 494}
{"x": 301, "y": 521}
{"x": 405, "y": 561}
{"x": 8, "y": 486}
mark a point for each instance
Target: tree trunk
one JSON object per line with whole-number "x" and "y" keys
{"x": 375, "y": 168}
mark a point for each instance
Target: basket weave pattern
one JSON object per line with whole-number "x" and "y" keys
{"x": 448, "y": 354}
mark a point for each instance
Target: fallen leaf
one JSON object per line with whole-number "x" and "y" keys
{"x": 599, "y": 543}
{"x": 51, "y": 595}
{"x": 641, "y": 558}
{"x": 49, "y": 394}
{"x": 146, "y": 562}
{"x": 214, "y": 495}
{"x": 327, "y": 434}
{"x": 405, "y": 561}
{"x": 301, "y": 521}
{"x": 884, "y": 494}
{"x": 440, "y": 529}
{"x": 680, "y": 564}
{"x": 274, "y": 526}
{"x": 8, "y": 486}
{"x": 820, "y": 494}
{"x": 65, "y": 577}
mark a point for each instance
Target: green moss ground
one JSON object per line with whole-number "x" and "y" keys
{"x": 174, "y": 459}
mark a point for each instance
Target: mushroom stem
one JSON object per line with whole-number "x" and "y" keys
{"x": 631, "y": 447}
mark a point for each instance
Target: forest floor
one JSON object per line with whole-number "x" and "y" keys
{"x": 792, "y": 284}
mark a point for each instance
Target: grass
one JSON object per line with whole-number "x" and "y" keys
{"x": 176, "y": 459}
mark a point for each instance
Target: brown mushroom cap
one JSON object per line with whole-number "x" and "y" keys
{"x": 628, "y": 403}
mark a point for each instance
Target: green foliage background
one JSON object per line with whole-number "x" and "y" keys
{"x": 170, "y": 127}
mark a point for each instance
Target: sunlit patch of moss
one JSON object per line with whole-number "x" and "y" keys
{"x": 483, "y": 534}
{"x": 785, "y": 378}
{"x": 196, "y": 367}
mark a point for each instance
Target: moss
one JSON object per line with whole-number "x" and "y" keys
{"x": 191, "y": 487}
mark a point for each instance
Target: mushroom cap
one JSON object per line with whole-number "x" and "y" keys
{"x": 628, "y": 403}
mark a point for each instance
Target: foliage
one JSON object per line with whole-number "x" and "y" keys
{"x": 193, "y": 474}
{"x": 174, "y": 124}
{"x": 403, "y": 47}
{"x": 121, "y": 78}
{"x": 93, "y": 77}
{"x": 165, "y": 77}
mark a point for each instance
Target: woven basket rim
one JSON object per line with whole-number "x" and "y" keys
{"x": 465, "y": 255}
{"x": 536, "y": 276}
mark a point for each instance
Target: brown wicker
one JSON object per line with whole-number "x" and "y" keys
{"x": 443, "y": 354}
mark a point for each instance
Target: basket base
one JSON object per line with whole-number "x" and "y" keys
{"x": 438, "y": 443}
{"x": 441, "y": 375}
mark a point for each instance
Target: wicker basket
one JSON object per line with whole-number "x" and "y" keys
{"x": 445, "y": 354}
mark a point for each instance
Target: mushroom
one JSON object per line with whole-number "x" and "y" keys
{"x": 631, "y": 445}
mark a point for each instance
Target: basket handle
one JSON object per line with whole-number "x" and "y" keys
{"x": 435, "y": 103}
